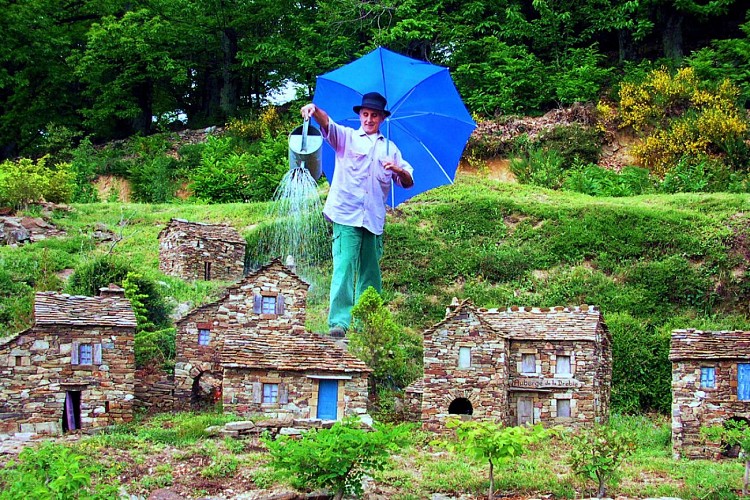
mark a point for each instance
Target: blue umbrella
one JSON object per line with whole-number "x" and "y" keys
{"x": 429, "y": 123}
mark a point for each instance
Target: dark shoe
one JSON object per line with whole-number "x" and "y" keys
{"x": 337, "y": 332}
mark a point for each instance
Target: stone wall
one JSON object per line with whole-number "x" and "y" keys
{"x": 694, "y": 407}
{"x": 190, "y": 257}
{"x": 297, "y": 395}
{"x": 154, "y": 391}
{"x": 483, "y": 383}
{"x": 36, "y": 373}
{"x": 545, "y": 386}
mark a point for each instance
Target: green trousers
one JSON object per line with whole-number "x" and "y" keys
{"x": 356, "y": 266}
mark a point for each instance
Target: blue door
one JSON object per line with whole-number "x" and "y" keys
{"x": 328, "y": 397}
{"x": 743, "y": 382}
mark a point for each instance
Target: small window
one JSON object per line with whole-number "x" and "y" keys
{"x": 204, "y": 336}
{"x": 199, "y": 244}
{"x": 708, "y": 377}
{"x": 562, "y": 366}
{"x": 563, "y": 408}
{"x": 464, "y": 357}
{"x": 270, "y": 393}
{"x": 268, "y": 305}
{"x": 85, "y": 354}
{"x": 528, "y": 363}
{"x": 207, "y": 271}
{"x": 19, "y": 360}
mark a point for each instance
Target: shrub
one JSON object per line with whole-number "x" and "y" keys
{"x": 597, "y": 181}
{"x": 575, "y": 143}
{"x": 335, "y": 458}
{"x": 641, "y": 372}
{"x": 539, "y": 167}
{"x": 382, "y": 344}
{"x": 53, "y": 471}
{"x": 152, "y": 179}
{"x": 24, "y": 181}
{"x": 508, "y": 79}
{"x": 84, "y": 169}
{"x": 703, "y": 174}
{"x": 579, "y": 75}
{"x": 226, "y": 176}
{"x": 679, "y": 115}
{"x": 90, "y": 276}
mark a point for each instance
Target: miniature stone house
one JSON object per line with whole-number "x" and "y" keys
{"x": 250, "y": 350}
{"x": 73, "y": 369}
{"x": 197, "y": 251}
{"x": 515, "y": 366}
{"x": 710, "y": 386}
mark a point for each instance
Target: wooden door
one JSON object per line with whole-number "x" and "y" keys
{"x": 525, "y": 411}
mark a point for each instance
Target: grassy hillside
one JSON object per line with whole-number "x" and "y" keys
{"x": 652, "y": 263}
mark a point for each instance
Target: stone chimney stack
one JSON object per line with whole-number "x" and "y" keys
{"x": 111, "y": 291}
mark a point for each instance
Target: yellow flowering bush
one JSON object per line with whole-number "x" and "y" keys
{"x": 269, "y": 122}
{"x": 681, "y": 116}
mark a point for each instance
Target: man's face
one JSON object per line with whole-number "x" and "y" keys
{"x": 371, "y": 120}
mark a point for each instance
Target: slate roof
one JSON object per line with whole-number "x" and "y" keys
{"x": 284, "y": 350}
{"x": 534, "y": 323}
{"x": 699, "y": 344}
{"x": 221, "y": 232}
{"x": 52, "y": 308}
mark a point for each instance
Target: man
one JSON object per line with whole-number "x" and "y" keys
{"x": 366, "y": 163}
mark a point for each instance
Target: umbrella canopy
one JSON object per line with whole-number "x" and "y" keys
{"x": 429, "y": 123}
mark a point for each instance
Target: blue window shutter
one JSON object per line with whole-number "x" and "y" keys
{"x": 743, "y": 382}
{"x": 283, "y": 394}
{"x": 280, "y": 304}
{"x": 257, "y": 303}
{"x": 257, "y": 392}
{"x": 97, "y": 354}
{"x": 74, "y": 354}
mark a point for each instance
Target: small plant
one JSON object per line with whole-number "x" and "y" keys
{"x": 494, "y": 442}
{"x": 733, "y": 433}
{"x": 52, "y": 471}
{"x": 335, "y": 458}
{"x": 597, "y": 454}
{"x": 221, "y": 466}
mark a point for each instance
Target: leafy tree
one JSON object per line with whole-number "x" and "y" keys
{"x": 487, "y": 440}
{"x": 151, "y": 344}
{"x": 335, "y": 458}
{"x": 382, "y": 344}
{"x": 597, "y": 454}
{"x": 733, "y": 433}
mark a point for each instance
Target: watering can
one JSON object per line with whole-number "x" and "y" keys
{"x": 306, "y": 149}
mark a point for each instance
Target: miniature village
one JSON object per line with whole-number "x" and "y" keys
{"x": 74, "y": 368}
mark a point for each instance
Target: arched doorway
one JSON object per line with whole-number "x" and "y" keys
{"x": 206, "y": 391}
{"x": 460, "y": 406}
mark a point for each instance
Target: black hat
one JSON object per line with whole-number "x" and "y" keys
{"x": 373, "y": 100}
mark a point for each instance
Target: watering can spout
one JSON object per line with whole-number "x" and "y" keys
{"x": 306, "y": 149}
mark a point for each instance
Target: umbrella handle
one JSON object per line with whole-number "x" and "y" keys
{"x": 304, "y": 134}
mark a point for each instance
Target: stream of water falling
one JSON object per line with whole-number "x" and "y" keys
{"x": 295, "y": 225}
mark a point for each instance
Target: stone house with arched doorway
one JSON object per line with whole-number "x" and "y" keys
{"x": 199, "y": 251}
{"x": 250, "y": 350}
{"x": 73, "y": 369}
{"x": 710, "y": 386}
{"x": 516, "y": 366}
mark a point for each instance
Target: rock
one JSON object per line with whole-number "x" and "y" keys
{"x": 242, "y": 425}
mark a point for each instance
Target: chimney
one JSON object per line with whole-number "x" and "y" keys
{"x": 111, "y": 291}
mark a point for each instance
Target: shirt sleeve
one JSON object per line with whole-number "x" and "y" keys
{"x": 336, "y": 136}
{"x": 403, "y": 164}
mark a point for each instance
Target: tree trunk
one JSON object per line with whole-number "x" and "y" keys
{"x": 672, "y": 36}
{"x": 144, "y": 94}
{"x": 492, "y": 481}
{"x": 625, "y": 45}
{"x": 746, "y": 479}
{"x": 602, "y": 487}
{"x": 230, "y": 94}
